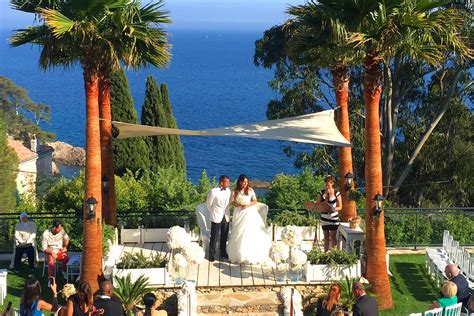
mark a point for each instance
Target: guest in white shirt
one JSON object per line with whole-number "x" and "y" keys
{"x": 218, "y": 203}
{"x": 25, "y": 235}
{"x": 55, "y": 242}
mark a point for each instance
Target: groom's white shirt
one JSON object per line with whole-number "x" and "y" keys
{"x": 218, "y": 204}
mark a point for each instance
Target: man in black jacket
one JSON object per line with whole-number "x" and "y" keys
{"x": 111, "y": 304}
{"x": 365, "y": 305}
{"x": 453, "y": 274}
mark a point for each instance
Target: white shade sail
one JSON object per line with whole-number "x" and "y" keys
{"x": 315, "y": 128}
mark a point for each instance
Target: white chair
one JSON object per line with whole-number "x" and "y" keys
{"x": 434, "y": 312}
{"x": 3, "y": 284}
{"x": 416, "y": 314}
{"x": 453, "y": 310}
{"x": 204, "y": 221}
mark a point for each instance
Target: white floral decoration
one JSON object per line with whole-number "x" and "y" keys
{"x": 180, "y": 261}
{"x": 298, "y": 258}
{"x": 279, "y": 252}
{"x": 194, "y": 253}
{"x": 177, "y": 237}
{"x": 291, "y": 236}
{"x": 285, "y": 295}
{"x": 187, "y": 299}
{"x": 68, "y": 290}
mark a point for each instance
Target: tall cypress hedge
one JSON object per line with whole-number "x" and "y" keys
{"x": 153, "y": 114}
{"x": 175, "y": 142}
{"x": 130, "y": 153}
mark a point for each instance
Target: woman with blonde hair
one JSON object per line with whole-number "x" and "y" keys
{"x": 449, "y": 298}
{"x": 330, "y": 304}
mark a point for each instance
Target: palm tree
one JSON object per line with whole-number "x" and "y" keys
{"x": 319, "y": 35}
{"x": 418, "y": 29}
{"x": 82, "y": 31}
{"x": 134, "y": 49}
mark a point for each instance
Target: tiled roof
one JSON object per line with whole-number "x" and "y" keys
{"x": 23, "y": 152}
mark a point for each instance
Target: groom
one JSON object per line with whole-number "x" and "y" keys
{"x": 218, "y": 204}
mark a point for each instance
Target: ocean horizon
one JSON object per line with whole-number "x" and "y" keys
{"x": 212, "y": 81}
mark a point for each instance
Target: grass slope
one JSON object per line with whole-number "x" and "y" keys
{"x": 412, "y": 289}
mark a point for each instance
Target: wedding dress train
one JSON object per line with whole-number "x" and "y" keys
{"x": 249, "y": 240}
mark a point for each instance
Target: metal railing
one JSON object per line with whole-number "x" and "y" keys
{"x": 404, "y": 227}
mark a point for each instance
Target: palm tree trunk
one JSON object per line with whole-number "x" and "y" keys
{"x": 109, "y": 201}
{"x": 376, "y": 269}
{"x": 91, "y": 270}
{"x": 340, "y": 77}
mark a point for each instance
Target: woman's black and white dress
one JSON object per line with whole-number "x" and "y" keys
{"x": 330, "y": 221}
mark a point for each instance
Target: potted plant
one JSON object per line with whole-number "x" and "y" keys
{"x": 136, "y": 264}
{"x": 130, "y": 292}
{"x": 331, "y": 266}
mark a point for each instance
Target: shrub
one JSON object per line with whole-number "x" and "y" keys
{"x": 294, "y": 218}
{"x": 130, "y": 293}
{"x": 139, "y": 261}
{"x": 289, "y": 192}
{"x": 332, "y": 258}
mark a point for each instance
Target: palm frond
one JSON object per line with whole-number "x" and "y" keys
{"x": 59, "y": 23}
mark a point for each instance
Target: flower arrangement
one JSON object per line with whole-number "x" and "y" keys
{"x": 177, "y": 237}
{"x": 298, "y": 258}
{"x": 279, "y": 252}
{"x": 291, "y": 236}
{"x": 354, "y": 223}
{"x": 180, "y": 261}
{"x": 68, "y": 290}
{"x": 194, "y": 253}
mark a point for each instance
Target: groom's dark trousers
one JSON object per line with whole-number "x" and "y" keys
{"x": 223, "y": 229}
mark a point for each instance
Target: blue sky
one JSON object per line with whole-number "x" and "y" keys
{"x": 193, "y": 14}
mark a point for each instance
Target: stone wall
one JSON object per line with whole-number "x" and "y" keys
{"x": 248, "y": 299}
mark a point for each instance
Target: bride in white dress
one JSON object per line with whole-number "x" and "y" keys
{"x": 249, "y": 241}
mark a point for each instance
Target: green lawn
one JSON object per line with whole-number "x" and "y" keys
{"x": 412, "y": 288}
{"x": 16, "y": 283}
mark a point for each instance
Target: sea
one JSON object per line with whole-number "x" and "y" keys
{"x": 213, "y": 82}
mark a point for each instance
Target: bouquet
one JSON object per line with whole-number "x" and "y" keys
{"x": 180, "y": 261}
{"x": 194, "y": 253}
{"x": 279, "y": 252}
{"x": 291, "y": 236}
{"x": 240, "y": 200}
{"x": 298, "y": 258}
{"x": 177, "y": 237}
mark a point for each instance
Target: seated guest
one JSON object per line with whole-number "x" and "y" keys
{"x": 25, "y": 235}
{"x": 449, "y": 298}
{"x": 453, "y": 275}
{"x": 106, "y": 301}
{"x": 329, "y": 304}
{"x": 55, "y": 242}
{"x": 365, "y": 305}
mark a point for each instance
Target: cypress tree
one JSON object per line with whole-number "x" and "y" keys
{"x": 175, "y": 142}
{"x": 153, "y": 114}
{"x": 8, "y": 167}
{"x": 130, "y": 153}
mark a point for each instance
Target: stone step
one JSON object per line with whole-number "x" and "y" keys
{"x": 239, "y": 303}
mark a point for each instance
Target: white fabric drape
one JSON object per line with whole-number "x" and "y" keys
{"x": 315, "y": 128}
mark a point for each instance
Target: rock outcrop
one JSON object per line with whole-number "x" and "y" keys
{"x": 67, "y": 154}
